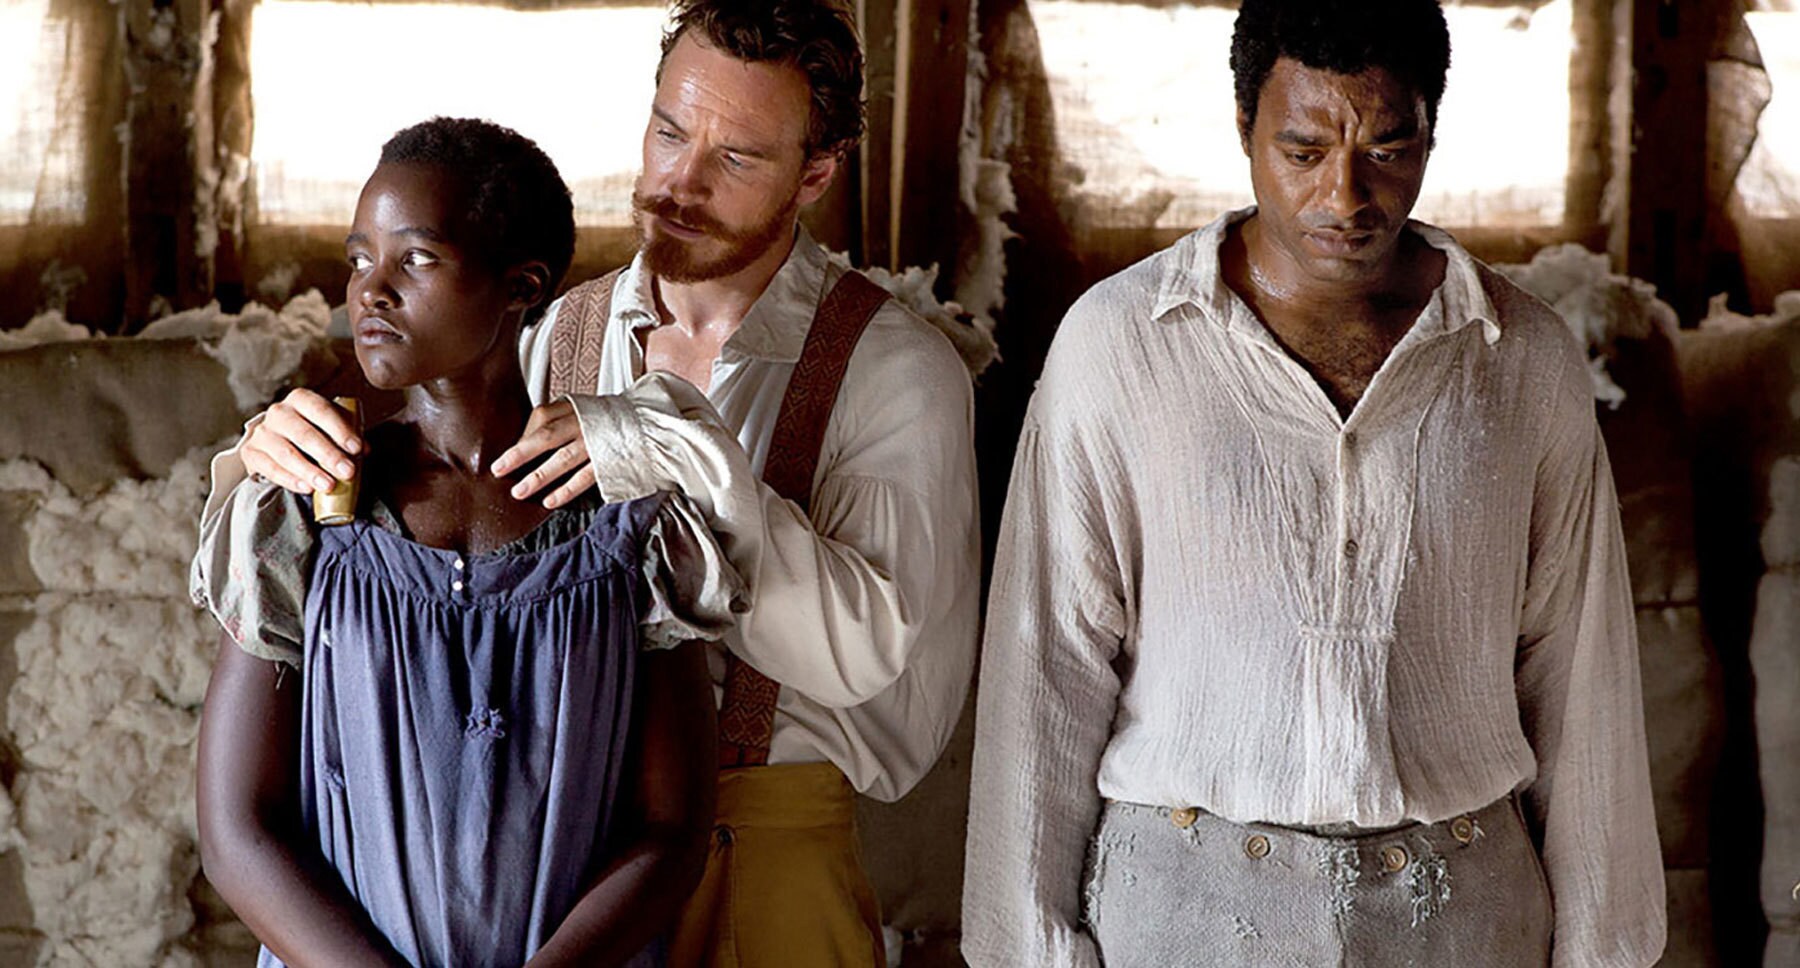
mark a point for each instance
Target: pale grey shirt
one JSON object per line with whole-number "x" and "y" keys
{"x": 1212, "y": 590}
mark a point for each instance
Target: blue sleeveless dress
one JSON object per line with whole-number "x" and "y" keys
{"x": 466, "y": 722}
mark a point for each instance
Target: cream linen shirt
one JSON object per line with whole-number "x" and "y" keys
{"x": 864, "y": 610}
{"x": 1211, "y": 590}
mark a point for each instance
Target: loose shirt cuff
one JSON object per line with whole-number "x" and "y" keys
{"x": 616, "y": 445}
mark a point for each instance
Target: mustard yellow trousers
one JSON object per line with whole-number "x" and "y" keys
{"x": 784, "y": 885}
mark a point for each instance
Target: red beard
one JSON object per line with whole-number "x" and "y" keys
{"x": 681, "y": 260}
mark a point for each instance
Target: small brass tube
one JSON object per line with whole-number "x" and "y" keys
{"x": 338, "y": 505}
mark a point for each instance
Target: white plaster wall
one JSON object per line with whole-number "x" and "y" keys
{"x": 112, "y": 664}
{"x": 102, "y": 680}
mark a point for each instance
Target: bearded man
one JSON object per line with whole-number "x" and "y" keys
{"x": 850, "y": 512}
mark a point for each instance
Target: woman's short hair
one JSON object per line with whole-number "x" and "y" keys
{"x": 515, "y": 201}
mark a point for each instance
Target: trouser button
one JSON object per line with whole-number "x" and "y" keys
{"x": 1393, "y": 858}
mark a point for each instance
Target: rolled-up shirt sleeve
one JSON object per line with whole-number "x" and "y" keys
{"x": 250, "y": 570}
{"x": 227, "y": 472}
{"x": 1581, "y": 705}
{"x": 839, "y": 596}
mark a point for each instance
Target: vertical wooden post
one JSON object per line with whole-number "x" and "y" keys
{"x": 1596, "y": 47}
{"x": 233, "y": 120}
{"x": 167, "y": 81}
{"x": 1664, "y": 238}
{"x": 932, "y": 60}
{"x": 1616, "y": 204}
{"x": 876, "y": 156}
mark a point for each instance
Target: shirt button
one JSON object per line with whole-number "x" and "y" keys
{"x": 1184, "y": 817}
{"x": 1393, "y": 858}
{"x": 1350, "y": 548}
{"x": 1257, "y": 847}
{"x": 1463, "y": 829}
{"x": 457, "y": 564}
{"x": 456, "y": 586}
{"x": 1349, "y": 439}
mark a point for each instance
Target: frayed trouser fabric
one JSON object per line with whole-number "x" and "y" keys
{"x": 1186, "y": 888}
{"x": 784, "y": 885}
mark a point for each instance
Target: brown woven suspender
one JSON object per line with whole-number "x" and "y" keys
{"x": 579, "y": 335}
{"x": 747, "y": 713}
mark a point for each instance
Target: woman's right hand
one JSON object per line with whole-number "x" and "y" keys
{"x": 302, "y": 443}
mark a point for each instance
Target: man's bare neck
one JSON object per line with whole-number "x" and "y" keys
{"x": 1340, "y": 333}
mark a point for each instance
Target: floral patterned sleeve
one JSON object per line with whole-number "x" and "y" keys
{"x": 251, "y": 570}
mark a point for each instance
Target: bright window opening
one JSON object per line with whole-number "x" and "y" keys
{"x": 1770, "y": 181}
{"x": 41, "y": 171}
{"x": 333, "y": 80}
{"x": 1145, "y": 111}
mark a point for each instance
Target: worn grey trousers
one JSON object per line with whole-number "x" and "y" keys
{"x": 1182, "y": 887}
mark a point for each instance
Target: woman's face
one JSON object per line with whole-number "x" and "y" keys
{"x": 423, "y": 303}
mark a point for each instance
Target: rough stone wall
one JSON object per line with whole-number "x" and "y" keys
{"x": 103, "y": 661}
{"x": 110, "y": 664}
{"x": 1775, "y": 655}
{"x": 1741, "y": 380}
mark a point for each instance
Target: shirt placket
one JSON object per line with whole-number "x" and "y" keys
{"x": 1376, "y": 482}
{"x": 1348, "y": 529}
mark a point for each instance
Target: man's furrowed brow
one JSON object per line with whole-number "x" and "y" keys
{"x": 355, "y": 238}
{"x": 663, "y": 116}
{"x": 1289, "y": 136}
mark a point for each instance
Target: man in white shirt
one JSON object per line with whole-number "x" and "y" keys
{"x": 863, "y": 575}
{"x": 1310, "y": 639}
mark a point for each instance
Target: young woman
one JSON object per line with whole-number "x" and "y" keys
{"x": 462, "y": 729}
